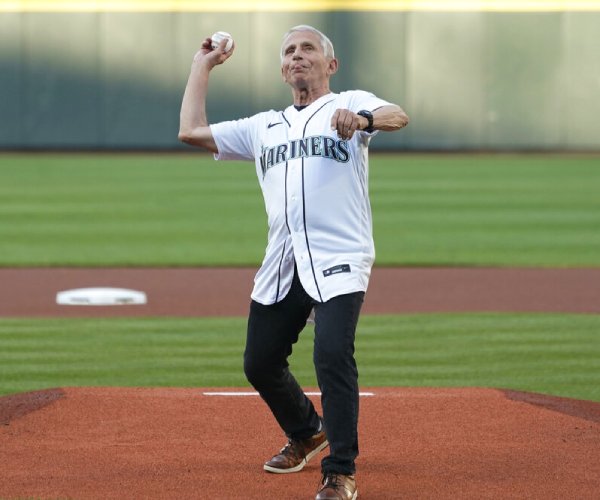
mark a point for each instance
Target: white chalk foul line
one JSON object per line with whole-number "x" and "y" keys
{"x": 250, "y": 393}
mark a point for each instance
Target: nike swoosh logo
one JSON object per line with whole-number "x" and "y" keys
{"x": 270, "y": 125}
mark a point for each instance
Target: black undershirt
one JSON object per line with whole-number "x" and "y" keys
{"x": 300, "y": 108}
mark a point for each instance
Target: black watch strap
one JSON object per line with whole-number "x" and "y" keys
{"x": 369, "y": 116}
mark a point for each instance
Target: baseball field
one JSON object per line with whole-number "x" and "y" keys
{"x": 478, "y": 348}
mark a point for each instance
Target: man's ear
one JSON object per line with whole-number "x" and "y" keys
{"x": 332, "y": 67}
{"x": 283, "y": 75}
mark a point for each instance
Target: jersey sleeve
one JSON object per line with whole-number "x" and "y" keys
{"x": 235, "y": 139}
{"x": 359, "y": 100}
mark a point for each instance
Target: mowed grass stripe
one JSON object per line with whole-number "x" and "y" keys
{"x": 117, "y": 352}
{"x": 164, "y": 210}
{"x": 548, "y": 353}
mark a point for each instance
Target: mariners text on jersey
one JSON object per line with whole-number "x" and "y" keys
{"x": 317, "y": 145}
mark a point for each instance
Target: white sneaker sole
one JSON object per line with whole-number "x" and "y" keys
{"x": 301, "y": 465}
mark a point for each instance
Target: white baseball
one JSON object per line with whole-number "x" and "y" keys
{"x": 220, "y": 35}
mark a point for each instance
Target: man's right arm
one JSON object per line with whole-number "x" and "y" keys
{"x": 193, "y": 124}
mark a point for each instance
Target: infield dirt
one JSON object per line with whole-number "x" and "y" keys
{"x": 32, "y": 292}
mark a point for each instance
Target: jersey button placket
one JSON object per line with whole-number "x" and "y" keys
{"x": 293, "y": 213}
{"x": 295, "y": 216}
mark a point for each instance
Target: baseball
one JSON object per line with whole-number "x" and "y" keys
{"x": 220, "y": 35}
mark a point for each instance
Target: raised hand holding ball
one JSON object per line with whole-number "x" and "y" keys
{"x": 218, "y": 37}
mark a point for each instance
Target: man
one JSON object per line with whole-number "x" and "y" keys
{"x": 312, "y": 166}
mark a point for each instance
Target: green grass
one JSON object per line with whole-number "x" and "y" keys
{"x": 520, "y": 210}
{"x": 547, "y": 353}
{"x": 83, "y": 209}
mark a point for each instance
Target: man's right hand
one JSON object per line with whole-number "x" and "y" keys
{"x": 213, "y": 57}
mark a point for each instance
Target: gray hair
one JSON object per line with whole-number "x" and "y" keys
{"x": 325, "y": 42}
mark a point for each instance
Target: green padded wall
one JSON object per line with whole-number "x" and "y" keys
{"x": 468, "y": 80}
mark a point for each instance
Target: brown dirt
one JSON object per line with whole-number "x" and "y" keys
{"x": 225, "y": 292}
{"x": 112, "y": 443}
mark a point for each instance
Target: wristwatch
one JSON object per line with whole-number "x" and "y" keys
{"x": 369, "y": 116}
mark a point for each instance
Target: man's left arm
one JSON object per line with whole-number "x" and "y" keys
{"x": 388, "y": 118}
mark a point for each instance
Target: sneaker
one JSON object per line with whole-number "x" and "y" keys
{"x": 296, "y": 454}
{"x": 337, "y": 487}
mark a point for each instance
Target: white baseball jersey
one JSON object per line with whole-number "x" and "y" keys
{"x": 315, "y": 188}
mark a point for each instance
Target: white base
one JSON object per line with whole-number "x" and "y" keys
{"x": 101, "y": 296}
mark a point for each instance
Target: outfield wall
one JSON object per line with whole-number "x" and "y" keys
{"x": 468, "y": 80}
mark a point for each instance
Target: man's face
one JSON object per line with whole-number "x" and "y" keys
{"x": 304, "y": 63}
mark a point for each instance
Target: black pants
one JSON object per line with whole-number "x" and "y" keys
{"x": 272, "y": 330}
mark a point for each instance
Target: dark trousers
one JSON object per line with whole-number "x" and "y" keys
{"x": 272, "y": 331}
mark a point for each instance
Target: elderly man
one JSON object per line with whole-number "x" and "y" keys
{"x": 312, "y": 165}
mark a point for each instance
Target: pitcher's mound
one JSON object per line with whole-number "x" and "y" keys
{"x": 103, "y": 443}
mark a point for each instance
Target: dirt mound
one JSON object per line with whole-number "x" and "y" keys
{"x": 105, "y": 443}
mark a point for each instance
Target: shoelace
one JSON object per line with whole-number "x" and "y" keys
{"x": 293, "y": 448}
{"x": 332, "y": 480}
